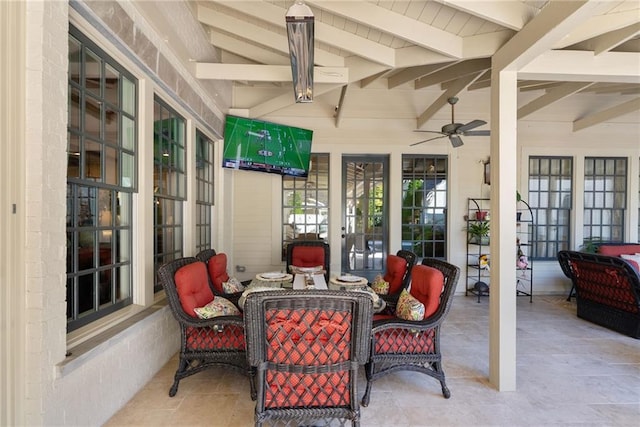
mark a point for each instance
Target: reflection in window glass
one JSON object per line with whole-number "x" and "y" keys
{"x": 424, "y": 205}
{"x": 305, "y": 204}
{"x": 204, "y": 190}
{"x": 605, "y": 195}
{"x": 550, "y": 199}
{"x": 170, "y": 187}
{"x": 99, "y": 223}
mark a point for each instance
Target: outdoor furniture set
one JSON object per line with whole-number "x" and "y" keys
{"x": 302, "y": 348}
{"x": 606, "y": 285}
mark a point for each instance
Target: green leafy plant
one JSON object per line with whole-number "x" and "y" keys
{"x": 590, "y": 245}
{"x": 478, "y": 231}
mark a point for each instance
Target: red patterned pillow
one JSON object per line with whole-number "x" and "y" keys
{"x": 218, "y": 271}
{"x": 426, "y": 286}
{"x": 307, "y": 256}
{"x": 396, "y": 267}
{"x": 192, "y": 285}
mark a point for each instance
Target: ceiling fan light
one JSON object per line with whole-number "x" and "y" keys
{"x": 300, "y": 34}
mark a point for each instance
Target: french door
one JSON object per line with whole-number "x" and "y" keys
{"x": 364, "y": 206}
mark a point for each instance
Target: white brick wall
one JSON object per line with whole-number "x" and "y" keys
{"x": 45, "y": 179}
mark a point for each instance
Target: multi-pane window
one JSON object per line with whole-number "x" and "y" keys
{"x": 605, "y": 198}
{"x": 204, "y": 190}
{"x": 424, "y": 205}
{"x": 550, "y": 199}
{"x": 101, "y": 178}
{"x": 170, "y": 184}
{"x": 305, "y": 203}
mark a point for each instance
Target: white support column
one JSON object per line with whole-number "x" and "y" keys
{"x": 502, "y": 300}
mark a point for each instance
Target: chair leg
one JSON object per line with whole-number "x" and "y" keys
{"x": 571, "y": 292}
{"x": 368, "y": 368}
{"x": 252, "y": 383}
{"x": 182, "y": 367}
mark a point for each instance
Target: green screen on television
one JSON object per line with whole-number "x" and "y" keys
{"x": 258, "y": 145}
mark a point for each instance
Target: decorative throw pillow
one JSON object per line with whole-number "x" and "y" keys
{"x": 218, "y": 307}
{"x": 409, "y": 308}
{"x": 318, "y": 269}
{"x": 380, "y": 286}
{"x": 232, "y": 286}
{"x": 634, "y": 260}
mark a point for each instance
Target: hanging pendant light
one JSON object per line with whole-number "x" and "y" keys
{"x": 300, "y": 30}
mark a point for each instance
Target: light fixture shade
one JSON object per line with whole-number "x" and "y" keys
{"x": 300, "y": 30}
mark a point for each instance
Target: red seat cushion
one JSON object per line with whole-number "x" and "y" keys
{"x": 218, "y": 271}
{"x": 426, "y": 286}
{"x": 307, "y": 256}
{"x": 192, "y": 285}
{"x": 396, "y": 268}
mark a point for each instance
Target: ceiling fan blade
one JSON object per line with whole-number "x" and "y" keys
{"x": 427, "y": 140}
{"x": 456, "y": 141}
{"x": 471, "y": 125}
{"x": 477, "y": 133}
{"x": 428, "y": 131}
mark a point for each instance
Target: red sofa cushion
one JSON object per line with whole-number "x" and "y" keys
{"x": 307, "y": 256}
{"x": 396, "y": 267}
{"x": 617, "y": 250}
{"x": 218, "y": 271}
{"x": 426, "y": 286}
{"x": 192, "y": 285}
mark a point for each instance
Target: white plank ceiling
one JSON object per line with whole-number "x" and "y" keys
{"x": 414, "y": 54}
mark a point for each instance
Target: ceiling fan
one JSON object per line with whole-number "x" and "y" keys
{"x": 453, "y": 130}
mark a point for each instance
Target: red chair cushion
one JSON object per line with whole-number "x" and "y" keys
{"x": 396, "y": 268}
{"x": 307, "y": 256}
{"x": 307, "y": 338}
{"x": 218, "y": 271}
{"x": 192, "y": 285}
{"x": 426, "y": 286}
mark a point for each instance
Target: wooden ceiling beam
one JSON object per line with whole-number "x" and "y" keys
{"x": 551, "y": 96}
{"x": 608, "y": 114}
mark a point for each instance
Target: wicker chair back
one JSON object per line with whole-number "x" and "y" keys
{"x": 306, "y": 347}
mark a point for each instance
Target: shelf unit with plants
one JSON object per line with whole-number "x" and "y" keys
{"x": 478, "y": 256}
{"x": 524, "y": 246}
{"x": 478, "y": 253}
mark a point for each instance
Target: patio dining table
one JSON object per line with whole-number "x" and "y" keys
{"x": 278, "y": 280}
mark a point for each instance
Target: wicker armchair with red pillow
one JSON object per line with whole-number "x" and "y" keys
{"x": 204, "y": 343}
{"x": 399, "y": 341}
{"x": 306, "y": 347}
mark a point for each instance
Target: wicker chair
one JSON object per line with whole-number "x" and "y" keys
{"x": 402, "y": 276}
{"x": 218, "y": 274}
{"x": 204, "y": 343}
{"x": 309, "y": 253}
{"x": 413, "y": 345}
{"x": 306, "y": 346}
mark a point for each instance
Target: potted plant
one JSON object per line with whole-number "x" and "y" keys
{"x": 479, "y": 232}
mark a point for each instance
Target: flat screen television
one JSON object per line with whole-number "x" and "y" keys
{"x": 258, "y": 145}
